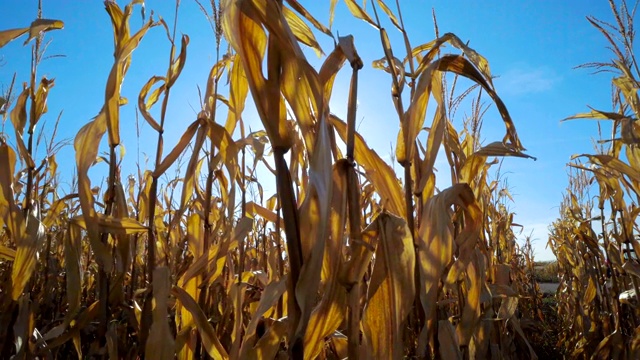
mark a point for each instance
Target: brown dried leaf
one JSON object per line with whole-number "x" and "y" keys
{"x": 207, "y": 333}
{"x": 160, "y": 343}
{"x": 391, "y": 289}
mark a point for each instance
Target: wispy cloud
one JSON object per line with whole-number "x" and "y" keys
{"x": 525, "y": 79}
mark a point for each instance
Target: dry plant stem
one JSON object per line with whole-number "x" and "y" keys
{"x": 278, "y": 241}
{"x": 103, "y": 277}
{"x": 208, "y": 227}
{"x": 351, "y": 114}
{"x": 153, "y": 197}
{"x": 353, "y": 324}
{"x": 614, "y": 277}
{"x": 292, "y": 233}
{"x": 353, "y": 201}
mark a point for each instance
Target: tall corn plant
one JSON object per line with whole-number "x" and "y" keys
{"x": 252, "y": 27}
{"x": 21, "y": 215}
{"x": 599, "y": 277}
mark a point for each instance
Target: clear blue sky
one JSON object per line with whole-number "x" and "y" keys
{"x": 531, "y": 45}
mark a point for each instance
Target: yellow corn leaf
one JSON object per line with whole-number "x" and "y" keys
{"x": 596, "y": 115}
{"x": 425, "y": 184}
{"x": 256, "y": 209}
{"x": 160, "y": 343}
{"x": 297, "y": 79}
{"x": 414, "y": 117}
{"x": 39, "y": 26}
{"x": 499, "y": 148}
{"x": 54, "y": 211}
{"x": 207, "y": 333}
{"x": 474, "y": 284}
{"x": 238, "y": 90}
{"x": 434, "y": 47}
{"x": 113, "y": 225}
{"x": 249, "y": 40}
{"x": 447, "y": 341}
{"x": 73, "y": 267}
{"x": 7, "y": 36}
{"x": 7, "y": 253}
{"x": 19, "y": 119}
{"x": 391, "y": 289}
{"x": 359, "y": 13}
{"x": 40, "y": 104}
{"x": 461, "y": 66}
{"x": 269, "y": 298}
{"x": 332, "y": 10}
{"x": 25, "y": 260}
{"x": 300, "y": 9}
{"x": 268, "y": 345}
{"x": 590, "y": 292}
{"x": 217, "y": 253}
{"x": 629, "y": 89}
{"x": 314, "y": 224}
{"x": 191, "y": 174}
{"x": 25, "y": 233}
{"x": 86, "y": 145}
{"x": 124, "y": 46}
{"x": 616, "y": 164}
{"x": 329, "y": 314}
{"x": 145, "y": 106}
{"x": 377, "y": 171}
{"x": 332, "y": 64}
{"x": 300, "y": 30}
{"x": 390, "y": 14}
{"x": 175, "y": 153}
{"x": 178, "y": 64}
{"x": 436, "y": 246}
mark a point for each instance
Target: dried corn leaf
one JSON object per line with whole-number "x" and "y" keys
{"x": 7, "y": 36}
{"x": 160, "y": 343}
{"x": 145, "y": 105}
{"x": 447, "y": 341}
{"x": 329, "y": 314}
{"x": 86, "y": 146}
{"x": 391, "y": 289}
{"x": 238, "y": 90}
{"x": 268, "y": 299}
{"x": 314, "y": 225}
{"x": 39, "y": 26}
{"x": 377, "y": 171}
{"x": 207, "y": 333}
{"x": 175, "y": 153}
{"x": 436, "y": 246}
{"x": 7, "y": 253}
{"x": 249, "y": 40}
{"x": 359, "y": 13}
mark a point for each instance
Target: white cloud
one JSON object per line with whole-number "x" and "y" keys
{"x": 526, "y": 80}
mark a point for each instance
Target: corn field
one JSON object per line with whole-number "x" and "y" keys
{"x": 595, "y": 239}
{"x": 347, "y": 259}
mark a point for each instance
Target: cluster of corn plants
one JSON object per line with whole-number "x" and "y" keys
{"x": 345, "y": 260}
{"x": 595, "y": 239}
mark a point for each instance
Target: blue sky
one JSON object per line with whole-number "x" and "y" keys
{"x": 532, "y": 46}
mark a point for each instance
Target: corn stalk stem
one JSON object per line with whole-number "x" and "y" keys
{"x": 294, "y": 248}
